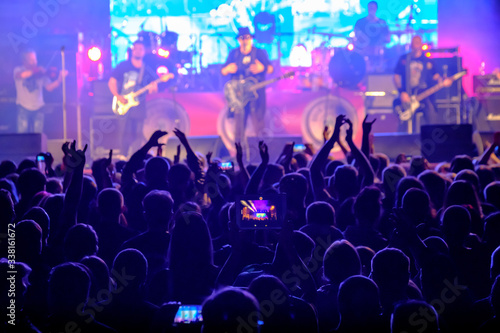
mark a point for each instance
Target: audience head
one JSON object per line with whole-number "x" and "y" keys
{"x": 133, "y": 263}
{"x": 358, "y": 300}
{"x": 110, "y": 204}
{"x": 492, "y": 194}
{"x": 340, "y": 261}
{"x": 456, "y": 222}
{"x": 332, "y": 166}
{"x": 416, "y": 205}
{"x": 485, "y": 175}
{"x": 462, "y": 193}
{"x": 21, "y": 282}
{"x": 404, "y": 185}
{"x": 345, "y": 181}
{"x": 54, "y": 186}
{"x": 24, "y": 165}
{"x": 367, "y": 206}
{"x": 391, "y": 177}
{"x": 69, "y": 286}
{"x": 156, "y": 171}
{"x": 39, "y": 215}
{"x": 295, "y": 186}
{"x": 414, "y": 317}
{"x": 7, "y": 167}
{"x": 28, "y": 241}
{"x": 469, "y": 176}
{"x": 231, "y": 310}
{"x": 491, "y": 234}
{"x": 495, "y": 264}
{"x": 461, "y": 162}
{"x": 31, "y": 181}
{"x": 100, "y": 280}
{"x": 321, "y": 213}
{"x": 273, "y": 174}
{"x": 190, "y": 243}
{"x": 6, "y": 206}
{"x": 418, "y": 164}
{"x": 391, "y": 270}
{"x": 158, "y": 209}
{"x": 435, "y": 185}
{"x": 80, "y": 241}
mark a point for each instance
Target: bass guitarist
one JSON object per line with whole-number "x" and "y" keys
{"x": 414, "y": 73}
{"x": 127, "y": 77}
{"x": 243, "y": 62}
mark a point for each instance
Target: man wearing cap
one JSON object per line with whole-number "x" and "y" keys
{"x": 249, "y": 61}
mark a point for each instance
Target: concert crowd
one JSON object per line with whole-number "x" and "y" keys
{"x": 365, "y": 245}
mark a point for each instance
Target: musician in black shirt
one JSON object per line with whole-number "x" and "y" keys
{"x": 248, "y": 61}
{"x": 127, "y": 77}
{"x": 422, "y": 75}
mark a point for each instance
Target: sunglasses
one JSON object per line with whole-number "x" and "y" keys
{"x": 244, "y": 37}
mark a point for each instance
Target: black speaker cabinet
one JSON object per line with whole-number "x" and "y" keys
{"x": 441, "y": 143}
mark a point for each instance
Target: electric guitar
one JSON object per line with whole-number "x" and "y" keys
{"x": 406, "y": 111}
{"x": 239, "y": 93}
{"x": 121, "y": 109}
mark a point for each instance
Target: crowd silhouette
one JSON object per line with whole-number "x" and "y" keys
{"x": 366, "y": 245}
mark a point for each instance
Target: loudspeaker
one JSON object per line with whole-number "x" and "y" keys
{"x": 441, "y": 143}
{"x": 17, "y": 147}
{"x": 201, "y": 144}
{"x": 449, "y": 67}
{"x": 387, "y": 120}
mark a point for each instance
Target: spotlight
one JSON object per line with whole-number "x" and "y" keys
{"x": 94, "y": 53}
{"x": 425, "y": 47}
{"x": 162, "y": 70}
{"x": 163, "y": 53}
{"x": 350, "y": 46}
{"x": 428, "y": 54}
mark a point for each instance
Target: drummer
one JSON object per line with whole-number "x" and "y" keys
{"x": 371, "y": 31}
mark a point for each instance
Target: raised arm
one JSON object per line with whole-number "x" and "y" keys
{"x": 365, "y": 168}
{"x": 253, "y": 184}
{"x": 243, "y": 175}
{"x": 75, "y": 162}
{"x": 367, "y": 128}
{"x": 135, "y": 162}
{"x": 317, "y": 181}
{"x": 192, "y": 160}
{"x": 100, "y": 172}
{"x": 488, "y": 152}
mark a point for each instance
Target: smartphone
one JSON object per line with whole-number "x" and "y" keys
{"x": 299, "y": 148}
{"x": 188, "y": 314}
{"x": 408, "y": 158}
{"x": 226, "y": 166}
{"x": 260, "y": 211}
{"x": 40, "y": 162}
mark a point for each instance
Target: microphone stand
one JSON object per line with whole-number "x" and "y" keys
{"x": 63, "y": 69}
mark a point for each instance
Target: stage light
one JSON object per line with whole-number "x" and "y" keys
{"x": 425, "y": 47}
{"x": 163, "y": 53}
{"x": 299, "y": 56}
{"x": 94, "y": 53}
{"x": 162, "y": 70}
{"x": 350, "y": 46}
{"x": 428, "y": 54}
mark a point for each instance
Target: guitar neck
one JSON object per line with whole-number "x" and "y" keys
{"x": 437, "y": 87}
{"x": 262, "y": 84}
{"x": 145, "y": 88}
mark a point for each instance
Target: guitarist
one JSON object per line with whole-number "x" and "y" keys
{"x": 127, "y": 77}
{"x": 249, "y": 61}
{"x": 414, "y": 73}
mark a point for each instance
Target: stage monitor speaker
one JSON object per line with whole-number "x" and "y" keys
{"x": 393, "y": 144}
{"x": 441, "y": 143}
{"x": 201, "y": 144}
{"x": 17, "y": 147}
{"x": 387, "y": 120}
{"x": 380, "y": 83}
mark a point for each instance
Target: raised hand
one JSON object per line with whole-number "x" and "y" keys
{"x": 182, "y": 137}
{"x": 349, "y": 131}
{"x": 367, "y": 125}
{"x": 153, "y": 140}
{"x": 209, "y": 157}
{"x": 339, "y": 121}
{"x": 326, "y": 133}
{"x": 177, "y": 156}
{"x": 239, "y": 151}
{"x": 73, "y": 158}
{"x": 264, "y": 153}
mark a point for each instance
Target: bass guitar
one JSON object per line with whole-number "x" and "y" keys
{"x": 121, "y": 109}
{"x": 405, "y": 111}
{"x": 239, "y": 93}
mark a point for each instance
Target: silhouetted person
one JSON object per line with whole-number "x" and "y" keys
{"x": 414, "y": 316}
{"x": 109, "y": 230}
{"x": 80, "y": 241}
{"x": 359, "y": 306}
{"x": 128, "y": 311}
{"x": 69, "y": 286}
{"x": 100, "y": 279}
{"x": 231, "y": 310}
{"x": 31, "y": 181}
{"x": 154, "y": 243}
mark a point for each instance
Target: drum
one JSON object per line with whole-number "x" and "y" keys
{"x": 347, "y": 68}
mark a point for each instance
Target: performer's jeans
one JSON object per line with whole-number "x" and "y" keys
{"x": 427, "y": 112}
{"x": 29, "y": 121}
{"x": 133, "y": 136}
